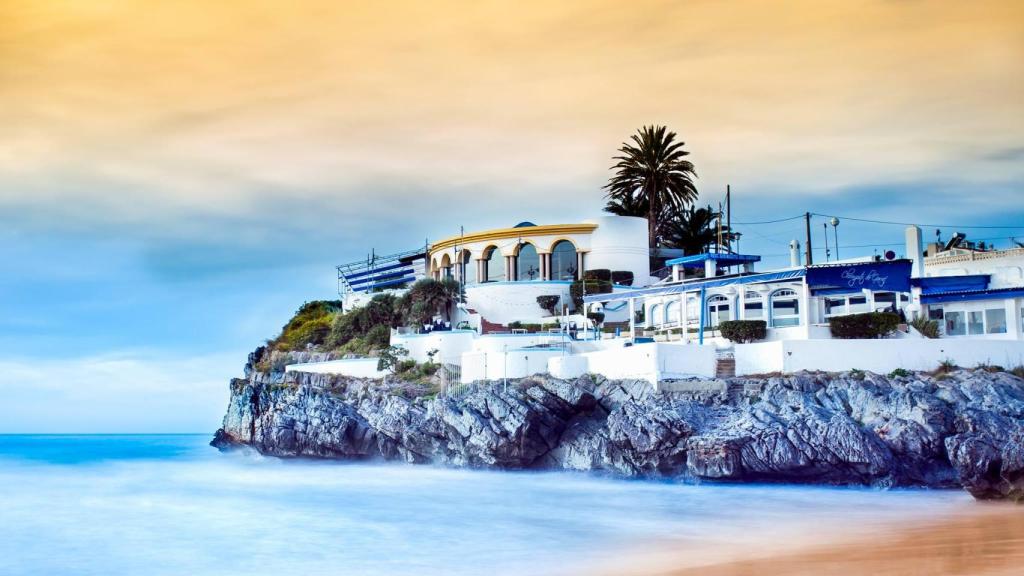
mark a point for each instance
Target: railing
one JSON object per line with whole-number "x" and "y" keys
{"x": 451, "y": 379}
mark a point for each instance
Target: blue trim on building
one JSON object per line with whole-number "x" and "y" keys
{"x": 973, "y": 295}
{"x": 698, "y": 260}
{"x": 944, "y": 284}
{"x": 694, "y": 286}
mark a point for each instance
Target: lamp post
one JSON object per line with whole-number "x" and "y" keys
{"x": 835, "y": 229}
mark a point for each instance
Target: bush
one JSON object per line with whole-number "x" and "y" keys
{"x": 392, "y": 358}
{"x": 743, "y": 331}
{"x": 378, "y": 337}
{"x": 899, "y": 373}
{"x": 864, "y": 326}
{"x": 549, "y": 303}
{"x": 622, "y": 277}
{"x": 602, "y": 274}
{"x": 593, "y": 287}
{"x": 927, "y": 328}
{"x": 311, "y": 325}
{"x": 596, "y": 317}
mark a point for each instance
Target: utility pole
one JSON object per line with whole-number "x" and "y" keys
{"x": 808, "y": 259}
{"x": 728, "y": 216}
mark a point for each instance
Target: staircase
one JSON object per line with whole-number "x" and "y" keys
{"x": 725, "y": 364}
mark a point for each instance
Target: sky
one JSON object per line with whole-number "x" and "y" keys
{"x": 177, "y": 177}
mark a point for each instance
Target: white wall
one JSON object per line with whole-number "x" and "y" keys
{"x": 449, "y": 344}
{"x": 504, "y": 302}
{"x": 517, "y": 363}
{"x": 650, "y": 361}
{"x": 355, "y": 367}
{"x": 879, "y": 356}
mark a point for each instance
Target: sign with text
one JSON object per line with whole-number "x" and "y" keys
{"x": 890, "y": 276}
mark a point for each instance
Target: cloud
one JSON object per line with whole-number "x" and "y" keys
{"x": 131, "y": 391}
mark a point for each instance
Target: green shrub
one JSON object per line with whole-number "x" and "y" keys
{"x": 1017, "y": 371}
{"x": 743, "y": 331}
{"x": 622, "y": 277}
{"x": 378, "y": 337}
{"x": 310, "y": 325}
{"x": 857, "y": 374}
{"x": 593, "y": 287}
{"x": 549, "y": 302}
{"x": 927, "y": 328}
{"x": 596, "y": 317}
{"x": 899, "y": 373}
{"x": 602, "y": 274}
{"x": 392, "y": 358}
{"x": 867, "y": 325}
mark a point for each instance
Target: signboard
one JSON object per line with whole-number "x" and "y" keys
{"x": 885, "y": 276}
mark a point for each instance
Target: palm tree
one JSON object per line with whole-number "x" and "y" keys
{"x": 652, "y": 172}
{"x": 695, "y": 230}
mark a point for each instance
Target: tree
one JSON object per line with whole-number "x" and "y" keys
{"x": 428, "y": 297}
{"x": 695, "y": 230}
{"x": 651, "y": 171}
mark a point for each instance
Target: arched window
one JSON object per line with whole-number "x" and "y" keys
{"x": 563, "y": 261}
{"x": 527, "y": 263}
{"x": 468, "y": 268}
{"x": 785, "y": 306}
{"x": 719, "y": 310}
{"x": 494, "y": 266}
{"x": 753, "y": 306}
{"x": 672, "y": 312}
{"x": 655, "y": 319}
{"x": 446, "y": 267}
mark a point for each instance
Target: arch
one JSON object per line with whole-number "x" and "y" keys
{"x": 564, "y": 260}
{"x": 527, "y": 262}
{"x": 654, "y": 319}
{"x": 446, "y": 266}
{"x": 719, "y": 310}
{"x": 467, "y": 267}
{"x": 494, "y": 265}
{"x": 784, "y": 305}
{"x": 672, "y": 312}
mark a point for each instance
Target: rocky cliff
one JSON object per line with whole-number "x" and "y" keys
{"x": 965, "y": 428}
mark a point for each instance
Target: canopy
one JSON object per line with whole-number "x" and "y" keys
{"x": 698, "y": 260}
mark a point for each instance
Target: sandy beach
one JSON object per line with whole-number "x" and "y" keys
{"x": 984, "y": 539}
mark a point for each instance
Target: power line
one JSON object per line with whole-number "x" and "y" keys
{"x": 916, "y": 223}
{"x": 768, "y": 221}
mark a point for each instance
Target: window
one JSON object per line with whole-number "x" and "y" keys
{"x": 563, "y": 261}
{"x": 672, "y": 312}
{"x": 718, "y": 310}
{"x": 527, "y": 263}
{"x": 858, "y": 304}
{"x": 885, "y": 301}
{"x": 935, "y": 313}
{"x": 995, "y": 321}
{"x": 835, "y": 306}
{"x": 494, "y": 266}
{"x": 468, "y": 268}
{"x": 753, "y": 306}
{"x": 655, "y": 317}
{"x": 975, "y": 322}
{"x": 785, "y": 306}
{"x": 955, "y": 325}
{"x": 446, "y": 267}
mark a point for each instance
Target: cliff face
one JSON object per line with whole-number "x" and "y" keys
{"x": 965, "y": 430}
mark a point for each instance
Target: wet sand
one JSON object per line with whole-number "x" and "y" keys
{"x": 986, "y": 539}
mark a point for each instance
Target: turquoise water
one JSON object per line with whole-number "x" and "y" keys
{"x": 170, "y": 505}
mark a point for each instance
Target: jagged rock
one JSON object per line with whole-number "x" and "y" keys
{"x": 966, "y": 428}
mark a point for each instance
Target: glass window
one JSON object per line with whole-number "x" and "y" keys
{"x": 885, "y": 301}
{"x": 468, "y": 268}
{"x": 975, "y": 322}
{"x": 528, "y": 263}
{"x": 835, "y": 305}
{"x": 858, "y": 304}
{"x": 935, "y": 313}
{"x": 494, "y": 266}
{"x": 955, "y": 325}
{"x": 563, "y": 261}
{"x": 753, "y": 306}
{"x": 655, "y": 319}
{"x": 718, "y": 310}
{"x": 672, "y": 312}
{"x": 785, "y": 309}
{"x": 995, "y": 321}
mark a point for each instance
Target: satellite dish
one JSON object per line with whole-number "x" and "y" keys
{"x": 890, "y": 255}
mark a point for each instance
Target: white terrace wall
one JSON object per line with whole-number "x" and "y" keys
{"x": 355, "y": 367}
{"x": 879, "y": 356}
{"x": 651, "y": 362}
{"x": 449, "y": 344}
{"x": 520, "y": 363}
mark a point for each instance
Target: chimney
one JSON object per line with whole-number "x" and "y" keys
{"x": 794, "y": 254}
{"x": 914, "y": 250}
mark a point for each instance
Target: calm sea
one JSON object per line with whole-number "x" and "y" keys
{"x": 156, "y": 505}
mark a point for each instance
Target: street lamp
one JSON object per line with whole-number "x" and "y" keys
{"x": 835, "y": 229}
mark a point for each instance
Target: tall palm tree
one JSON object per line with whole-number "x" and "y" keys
{"x": 695, "y": 230}
{"x": 651, "y": 171}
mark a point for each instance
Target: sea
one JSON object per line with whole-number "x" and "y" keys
{"x": 172, "y": 505}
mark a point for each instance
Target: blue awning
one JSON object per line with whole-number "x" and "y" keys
{"x": 698, "y": 260}
{"x": 943, "y": 284}
{"x": 973, "y": 295}
{"x": 695, "y": 286}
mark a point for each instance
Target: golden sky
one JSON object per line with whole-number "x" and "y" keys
{"x": 209, "y": 107}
